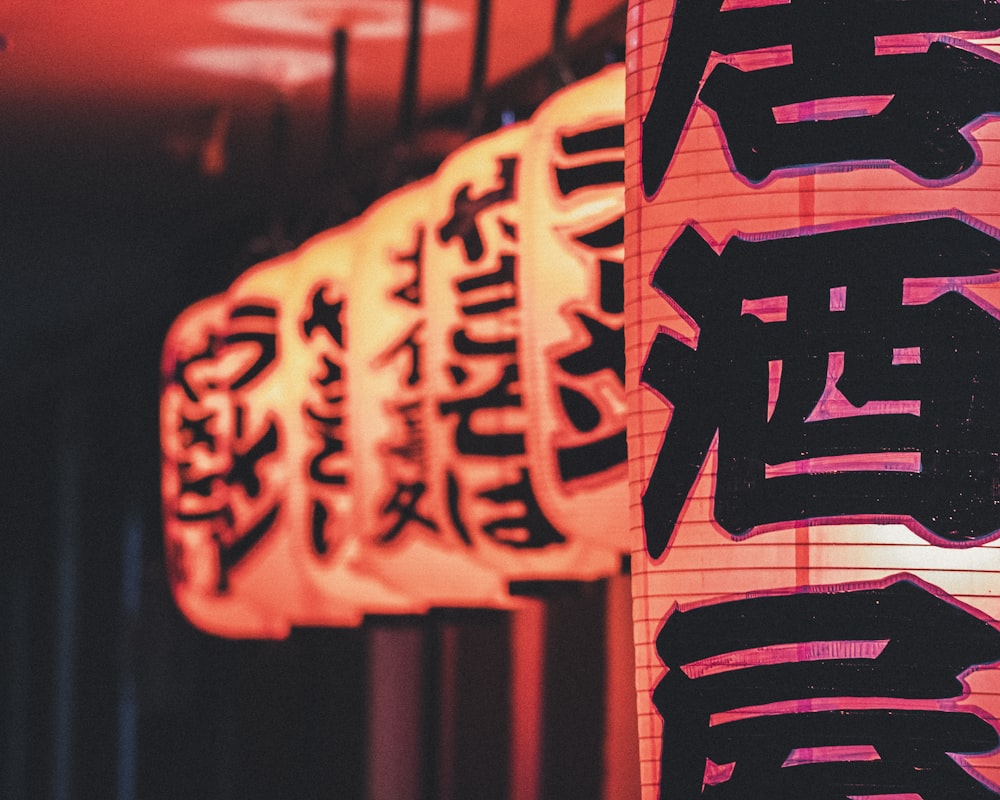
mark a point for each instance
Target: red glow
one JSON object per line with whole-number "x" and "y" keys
{"x": 373, "y": 19}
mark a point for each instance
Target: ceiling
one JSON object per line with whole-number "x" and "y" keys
{"x": 151, "y": 151}
{"x": 188, "y": 76}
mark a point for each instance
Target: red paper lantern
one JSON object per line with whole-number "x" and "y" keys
{"x": 812, "y": 310}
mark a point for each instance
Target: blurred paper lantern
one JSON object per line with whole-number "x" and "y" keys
{"x": 318, "y": 387}
{"x": 574, "y": 355}
{"x": 405, "y": 533}
{"x": 258, "y": 501}
{"x": 214, "y": 509}
{"x": 812, "y": 312}
{"x": 421, "y": 406}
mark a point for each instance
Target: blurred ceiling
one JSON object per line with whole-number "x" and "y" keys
{"x": 151, "y": 151}
{"x": 190, "y": 77}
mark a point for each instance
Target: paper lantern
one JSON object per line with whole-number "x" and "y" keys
{"x": 812, "y": 319}
{"x": 488, "y": 499}
{"x": 407, "y": 536}
{"x": 574, "y": 357}
{"x": 204, "y": 436}
{"x": 422, "y": 406}
{"x": 258, "y": 501}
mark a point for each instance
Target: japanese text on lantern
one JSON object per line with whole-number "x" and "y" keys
{"x": 812, "y": 232}
{"x": 221, "y": 444}
{"x": 589, "y": 369}
{"x": 485, "y": 354}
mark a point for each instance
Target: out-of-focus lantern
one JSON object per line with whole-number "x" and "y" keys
{"x": 574, "y": 356}
{"x": 420, "y": 407}
{"x": 257, "y": 502}
{"x": 814, "y": 401}
{"x": 409, "y": 535}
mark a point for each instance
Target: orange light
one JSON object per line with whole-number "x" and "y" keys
{"x": 812, "y": 403}
{"x": 419, "y": 407}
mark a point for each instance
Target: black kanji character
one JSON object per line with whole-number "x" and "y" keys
{"x": 454, "y": 492}
{"x": 201, "y": 486}
{"x": 325, "y": 315}
{"x": 502, "y": 278}
{"x": 610, "y": 137}
{"x": 411, "y": 343}
{"x": 243, "y": 470}
{"x": 233, "y": 548}
{"x": 320, "y": 516}
{"x": 605, "y": 351}
{"x": 798, "y": 461}
{"x": 411, "y": 292}
{"x": 471, "y": 442}
{"x": 467, "y": 346}
{"x": 529, "y": 530}
{"x": 333, "y": 444}
{"x": 333, "y": 374}
{"x": 612, "y": 283}
{"x": 610, "y": 235}
{"x": 789, "y": 661}
{"x": 934, "y": 94}
{"x": 403, "y": 504}
{"x": 196, "y": 431}
{"x": 266, "y": 339}
{"x": 464, "y": 223}
{"x": 592, "y": 173}
{"x": 180, "y": 367}
{"x": 412, "y": 446}
{"x": 594, "y": 457}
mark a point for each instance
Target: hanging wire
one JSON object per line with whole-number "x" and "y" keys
{"x": 408, "y": 98}
{"x": 477, "y": 75}
{"x": 561, "y": 70}
{"x": 337, "y": 105}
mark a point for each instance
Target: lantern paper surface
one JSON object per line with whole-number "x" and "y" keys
{"x": 257, "y": 505}
{"x": 574, "y": 363}
{"x": 814, "y": 402}
{"x": 420, "y": 407}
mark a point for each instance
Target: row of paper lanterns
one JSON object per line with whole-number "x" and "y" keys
{"x": 420, "y": 407}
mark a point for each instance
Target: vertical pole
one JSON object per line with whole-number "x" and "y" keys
{"x": 395, "y": 724}
{"x": 67, "y": 533}
{"x": 527, "y": 653}
{"x": 128, "y": 705}
{"x": 448, "y": 698}
{"x": 411, "y": 75}
{"x": 621, "y": 724}
{"x": 477, "y": 76}
{"x": 337, "y": 143}
{"x": 15, "y": 783}
{"x": 563, "y": 74}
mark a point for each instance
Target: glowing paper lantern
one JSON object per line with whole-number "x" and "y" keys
{"x": 204, "y": 440}
{"x": 812, "y": 311}
{"x": 407, "y": 535}
{"x": 412, "y": 415}
{"x": 256, "y": 472}
{"x": 574, "y": 357}
{"x": 461, "y": 489}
